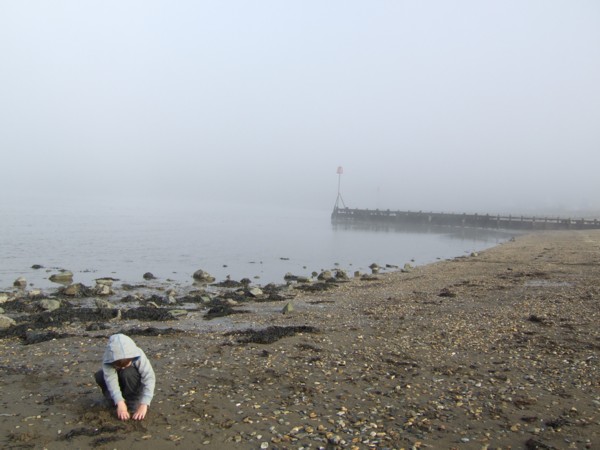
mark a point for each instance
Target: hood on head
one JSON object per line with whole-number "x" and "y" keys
{"x": 120, "y": 347}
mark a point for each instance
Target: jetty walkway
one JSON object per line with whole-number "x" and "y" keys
{"x": 426, "y": 219}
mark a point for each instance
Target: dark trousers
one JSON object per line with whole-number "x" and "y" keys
{"x": 130, "y": 382}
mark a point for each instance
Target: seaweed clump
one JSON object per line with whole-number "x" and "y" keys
{"x": 270, "y": 334}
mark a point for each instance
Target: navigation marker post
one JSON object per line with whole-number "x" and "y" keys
{"x": 340, "y": 171}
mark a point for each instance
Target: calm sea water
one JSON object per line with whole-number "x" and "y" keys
{"x": 260, "y": 243}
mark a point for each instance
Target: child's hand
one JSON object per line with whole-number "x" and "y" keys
{"x": 141, "y": 412}
{"x": 122, "y": 412}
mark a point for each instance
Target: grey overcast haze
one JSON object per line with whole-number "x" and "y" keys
{"x": 475, "y": 106}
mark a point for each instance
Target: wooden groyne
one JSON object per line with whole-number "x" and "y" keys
{"x": 411, "y": 219}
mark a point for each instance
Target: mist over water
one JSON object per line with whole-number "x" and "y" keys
{"x": 125, "y": 240}
{"x": 462, "y": 106}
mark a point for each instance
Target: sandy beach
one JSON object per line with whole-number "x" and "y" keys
{"x": 495, "y": 350}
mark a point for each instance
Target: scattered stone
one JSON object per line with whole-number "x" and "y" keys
{"x": 325, "y": 275}
{"x": 136, "y": 297}
{"x": 288, "y": 308}
{"x": 445, "y": 292}
{"x": 104, "y": 282}
{"x": 298, "y": 278}
{"x": 20, "y": 282}
{"x": 197, "y": 297}
{"x": 103, "y": 304}
{"x": 103, "y": 290}
{"x": 76, "y": 290}
{"x": 131, "y": 287}
{"x": 149, "y": 276}
{"x": 49, "y": 304}
{"x": 341, "y": 274}
{"x": 170, "y": 300}
{"x": 229, "y": 283}
{"x": 369, "y": 277}
{"x": 175, "y": 313}
{"x": 203, "y": 277}
{"x": 3, "y": 297}
{"x": 6, "y": 322}
{"x": 37, "y": 266}
{"x": 35, "y": 293}
{"x": 534, "y": 444}
{"x": 539, "y": 319}
{"x": 62, "y": 277}
{"x": 255, "y": 292}
{"x": 407, "y": 268}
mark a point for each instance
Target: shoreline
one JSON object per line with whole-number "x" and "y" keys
{"x": 499, "y": 349}
{"x": 264, "y": 255}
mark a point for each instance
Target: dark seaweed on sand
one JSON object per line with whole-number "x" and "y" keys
{"x": 30, "y": 330}
{"x": 270, "y": 334}
{"x": 151, "y": 331}
{"x": 222, "y": 310}
{"x": 86, "y": 431}
{"x": 147, "y": 313}
{"x": 316, "y": 287}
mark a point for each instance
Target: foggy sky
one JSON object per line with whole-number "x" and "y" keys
{"x": 428, "y": 105}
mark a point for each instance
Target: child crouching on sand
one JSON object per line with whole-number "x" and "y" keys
{"x": 126, "y": 379}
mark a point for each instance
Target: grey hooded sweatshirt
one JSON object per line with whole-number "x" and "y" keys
{"x": 122, "y": 347}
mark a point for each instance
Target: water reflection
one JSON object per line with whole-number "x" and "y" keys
{"x": 462, "y": 233}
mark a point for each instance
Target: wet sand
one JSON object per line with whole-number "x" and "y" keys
{"x": 495, "y": 350}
